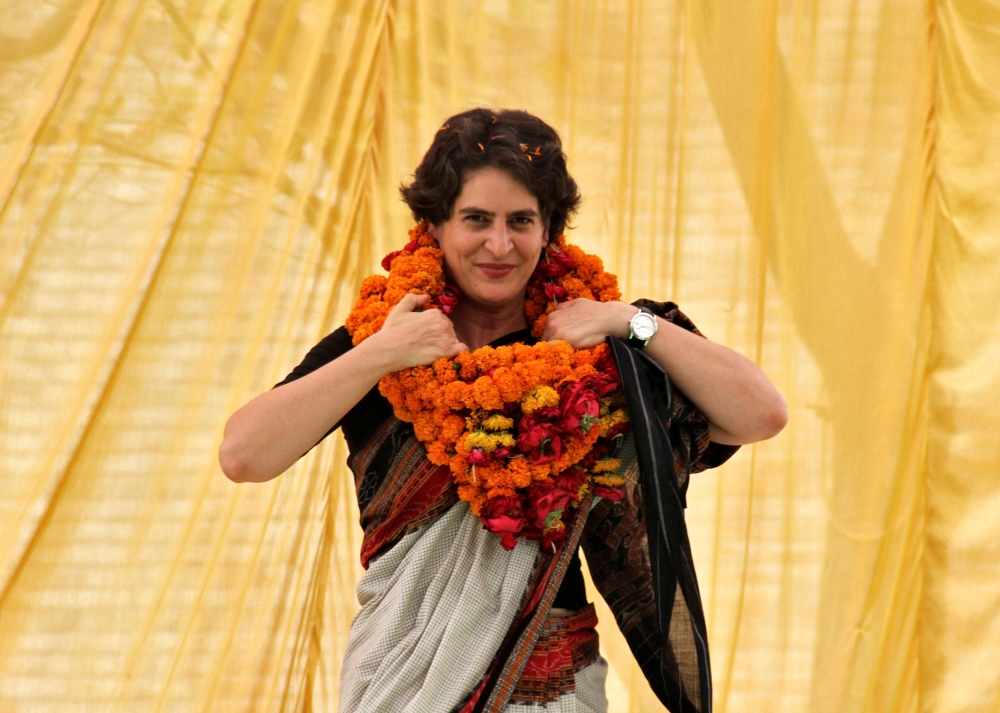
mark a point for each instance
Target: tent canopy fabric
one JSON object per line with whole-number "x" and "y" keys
{"x": 191, "y": 193}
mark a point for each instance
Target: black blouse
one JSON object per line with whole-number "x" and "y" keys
{"x": 364, "y": 419}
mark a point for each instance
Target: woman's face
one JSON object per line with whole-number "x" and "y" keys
{"x": 493, "y": 238}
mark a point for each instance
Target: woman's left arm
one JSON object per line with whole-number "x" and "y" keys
{"x": 740, "y": 403}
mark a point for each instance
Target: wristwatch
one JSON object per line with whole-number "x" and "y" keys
{"x": 642, "y": 327}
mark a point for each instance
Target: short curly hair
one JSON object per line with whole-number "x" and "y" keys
{"x": 524, "y": 146}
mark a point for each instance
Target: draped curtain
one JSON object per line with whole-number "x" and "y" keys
{"x": 192, "y": 190}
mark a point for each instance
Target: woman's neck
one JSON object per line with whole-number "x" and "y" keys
{"x": 477, "y": 325}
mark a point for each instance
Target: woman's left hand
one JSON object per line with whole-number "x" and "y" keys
{"x": 586, "y": 323}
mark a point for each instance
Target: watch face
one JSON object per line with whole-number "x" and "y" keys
{"x": 644, "y": 325}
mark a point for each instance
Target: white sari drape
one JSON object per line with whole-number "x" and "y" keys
{"x": 434, "y": 610}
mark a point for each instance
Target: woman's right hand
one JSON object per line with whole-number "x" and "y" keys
{"x": 413, "y": 338}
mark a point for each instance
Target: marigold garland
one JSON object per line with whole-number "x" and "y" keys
{"x": 525, "y": 429}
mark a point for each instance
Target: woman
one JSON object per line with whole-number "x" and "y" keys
{"x": 452, "y": 616}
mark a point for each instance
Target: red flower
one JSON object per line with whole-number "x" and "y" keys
{"x": 546, "y": 413}
{"x": 617, "y": 429}
{"x": 477, "y": 457}
{"x": 411, "y": 246}
{"x": 606, "y": 365}
{"x": 602, "y": 383}
{"x": 562, "y": 259}
{"x": 600, "y": 449}
{"x": 503, "y": 452}
{"x": 571, "y": 480}
{"x": 554, "y": 292}
{"x": 549, "y": 269}
{"x": 608, "y": 493}
{"x": 387, "y": 260}
{"x": 579, "y": 407}
{"x": 540, "y": 439}
{"x": 554, "y": 537}
{"x": 545, "y": 499}
{"x": 504, "y": 516}
{"x": 446, "y": 302}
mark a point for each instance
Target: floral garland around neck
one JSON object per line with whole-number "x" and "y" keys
{"x": 525, "y": 429}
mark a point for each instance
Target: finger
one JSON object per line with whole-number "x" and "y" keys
{"x": 564, "y": 305}
{"x": 407, "y": 304}
{"x": 456, "y": 349}
{"x": 411, "y": 302}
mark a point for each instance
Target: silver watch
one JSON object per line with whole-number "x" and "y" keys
{"x": 642, "y": 327}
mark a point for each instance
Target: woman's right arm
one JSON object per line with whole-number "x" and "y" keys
{"x": 266, "y": 436}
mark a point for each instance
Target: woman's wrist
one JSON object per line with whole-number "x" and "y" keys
{"x": 383, "y": 354}
{"x": 618, "y": 319}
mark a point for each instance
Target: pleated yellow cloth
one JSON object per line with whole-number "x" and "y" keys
{"x": 191, "y": 192}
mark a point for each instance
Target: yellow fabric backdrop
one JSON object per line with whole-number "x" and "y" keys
{"x": 192, "y": 190}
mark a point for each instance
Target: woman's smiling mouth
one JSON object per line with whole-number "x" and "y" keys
{"x": 496, "y": 270}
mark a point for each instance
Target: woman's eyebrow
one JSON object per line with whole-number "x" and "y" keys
{"x": 472, "y": 210}
{"x": 477, "y": 211}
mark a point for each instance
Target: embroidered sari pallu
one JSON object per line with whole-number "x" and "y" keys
{"x": 451, "y": 621}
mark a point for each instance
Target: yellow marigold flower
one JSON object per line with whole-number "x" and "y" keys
{"x": 612, "y": 419}
{"x": 498, "y": 422}
{"x": 480, "y": 440}
{"x": 609, "y": 481}
{"x": 539, "y": 397}
{"x": 608, "y": 465}
{"x": 502, "y": 440}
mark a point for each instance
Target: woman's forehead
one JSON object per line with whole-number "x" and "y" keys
{"x": 493, "y": 190}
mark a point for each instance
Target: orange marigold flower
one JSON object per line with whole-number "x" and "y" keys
{"x": 504, "y": 355}
{"x": 487, "y": 394}
{"x": 539, "y": 327}
{"x": 437, "y": 453}
{"x": 561, "y": 372}
{"x": 444, "y": 372}
{"x": 524, "y": 353}
{"x": 576, "y": 288}
{"x": 507, "y": 384}
{"x": 500, "y": 493}
{"x": 520, "y": 472}
{"x": 468, "y": 492}
{"x": 485, "y": 359}
{"x": 452, "y": 427}
{"x": 458, "y": 395}
{"x": 584, "y": 370}
{"x": 584, "y": 356}
{"x": 476, "y": 503}
{"x": 468, "y": 371}
{"x": 424, "y": 427}
{"x": 373, "y": 285}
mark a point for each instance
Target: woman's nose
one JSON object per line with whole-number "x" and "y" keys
{"x": 499, "y": 242}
